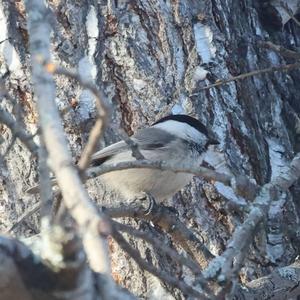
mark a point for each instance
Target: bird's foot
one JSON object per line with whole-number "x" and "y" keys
{"x": 148, "y": 202}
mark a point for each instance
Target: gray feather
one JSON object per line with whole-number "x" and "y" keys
{"x": 146, "y": 139}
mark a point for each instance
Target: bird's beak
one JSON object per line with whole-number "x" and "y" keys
{"x": 213, "y": 141}
{"x": 212, "y": 138}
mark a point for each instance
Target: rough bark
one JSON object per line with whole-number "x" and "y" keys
{"x": 152, "y": 58}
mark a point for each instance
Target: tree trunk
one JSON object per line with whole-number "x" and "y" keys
{"x": 153, "y": 58}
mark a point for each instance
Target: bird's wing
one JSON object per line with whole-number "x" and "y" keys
{"x": 153, "y": 138}
{"x": 109, "y": 151}
{"x": 147, "y": 139}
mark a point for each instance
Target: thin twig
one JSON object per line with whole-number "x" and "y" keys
{"x": 18, "y": 131}
{"x": 46, "y": 195}
{"x": 281, "y": 283}
{"x": 146, "y": 236}
{"x": 167, "y": 250}
{"x": 164, "y": 276}
{"x": 16, "y": 107}
{"x": 167, "y": 220}
{"x": 103, "y": 113}
{"x": 205, "y": 173}
{"x": 91, "y": 223}
{"x": 281, "y": 50}
{"x": 290, "y": 12}
{"x": 103, "y": 116}
{"x": 136, "y": 153}
{"x": 27, "y": 214}
{"x": 170, "y": 223}
{"x": 35, "y": 208}
{"x": 9, "y": 147}
{"x": 282, "y": 68}
{"x": 295, "y": 20}
{"x": 223, "y": 265}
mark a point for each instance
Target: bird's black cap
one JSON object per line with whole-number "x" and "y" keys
{"x": 192, "y": 122}
{"x": 185, "y": 119}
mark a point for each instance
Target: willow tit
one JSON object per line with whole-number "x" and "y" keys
{"x": 174, "y": 139}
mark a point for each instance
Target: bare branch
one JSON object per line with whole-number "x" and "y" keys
{"x": 18, "y": 131}
{"x": 167, "y": 250}
{"x": 103, "y": 112}
{"x": 101, "y": 122}
{"x": 282, "y": 283}
{"x": 9, "y": 147}
{"x": 170, "y": 223}
{"x": 283, "y": 68}
{"x": 133, "y": 145}
{"x": 290, "y": 8}
{"x": 281, "y": 50}
{"x": 287, "y": 179}
{"x": 75, "y": 197}
{"x": 281, "y": 11}
{"x": 223, "y": 265}
{"x": 27, "y": 214}
{"x": 164, "y": 276}
{"x": 146, "y": 236}
{"x": 295, "y": 20}
{"x": 68, "y": 278}
{"x": 45, "y": 186}
{"x": 205, "y": 173}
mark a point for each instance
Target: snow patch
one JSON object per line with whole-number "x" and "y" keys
{"x": 3, "y": 24}
{"x": 87, "y": 66}
{"x": 258, "y": 30}
{"x": 199, "y": 73}
{"x": 87, "y": 71}
{"x": 86, "y": 104}
{"x": 229, "y": 194}
{"x": 177, "y": 109}
{"x": 156, "y": 290}
{"x": 203, "y": 39}
{"x": 251, "y": 58}
{"x": 8, "y": 51}
{"x": 275, "y": 245}
{"x": 92, "y": 29}
{"x": 179, "y": 56}
{"x": 62, "y": 105}
{"x": 273, "y": 58}
{"x": 139, "y": 84}
{"x": 11, "y": 58}
{"x": 279, "y": 164}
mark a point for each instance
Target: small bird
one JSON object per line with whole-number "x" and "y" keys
{"x": 175, "y": 139}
